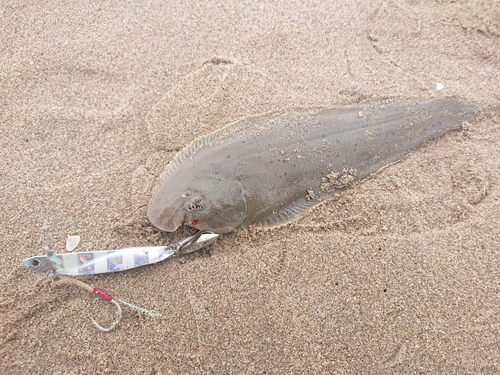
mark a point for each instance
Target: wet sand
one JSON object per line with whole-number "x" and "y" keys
{"x": 398, "y": 274}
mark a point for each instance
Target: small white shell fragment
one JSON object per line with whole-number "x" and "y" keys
{"x": 439, "y": 86}
{"x": 72, "y": 242}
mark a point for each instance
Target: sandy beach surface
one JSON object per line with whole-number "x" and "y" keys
{"x": 399, "y": 274}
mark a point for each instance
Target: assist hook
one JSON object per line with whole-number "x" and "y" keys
{"x": 101, "y": 294}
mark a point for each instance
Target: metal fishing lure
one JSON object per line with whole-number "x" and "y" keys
{"x": 95, "y": 262}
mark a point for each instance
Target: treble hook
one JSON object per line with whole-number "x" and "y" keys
{"x": 101, "y": 294}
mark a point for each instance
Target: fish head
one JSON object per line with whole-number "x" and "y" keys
{"x": 213, "y": 203}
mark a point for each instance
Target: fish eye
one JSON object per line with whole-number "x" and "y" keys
{"x": 35, "y": 262}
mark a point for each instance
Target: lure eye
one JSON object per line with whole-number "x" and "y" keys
{"x": 35, "y": 262}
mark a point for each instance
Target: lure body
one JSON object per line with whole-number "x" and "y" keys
{"x": 95, "y": 262}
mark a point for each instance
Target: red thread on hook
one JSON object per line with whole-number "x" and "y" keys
{"x": 102, "y": 294}
{"x": 194, "y": 221}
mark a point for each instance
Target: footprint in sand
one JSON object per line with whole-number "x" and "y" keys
{"x": 218, "y": 93}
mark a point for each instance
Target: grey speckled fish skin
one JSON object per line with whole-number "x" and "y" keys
{"x": 267, "y": 170}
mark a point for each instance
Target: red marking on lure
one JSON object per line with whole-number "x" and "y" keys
{"x": 101, "y": 293}
{"x": 194, "y": 221}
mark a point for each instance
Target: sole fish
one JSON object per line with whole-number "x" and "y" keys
{"x": 269, "y": 169}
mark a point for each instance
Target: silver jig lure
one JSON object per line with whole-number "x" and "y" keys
{"x": 95, "y": 262}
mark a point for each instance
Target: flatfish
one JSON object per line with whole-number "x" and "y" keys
{"x": 267, "y": 170}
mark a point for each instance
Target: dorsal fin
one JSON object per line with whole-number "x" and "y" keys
{"x": 196, "y": 145}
